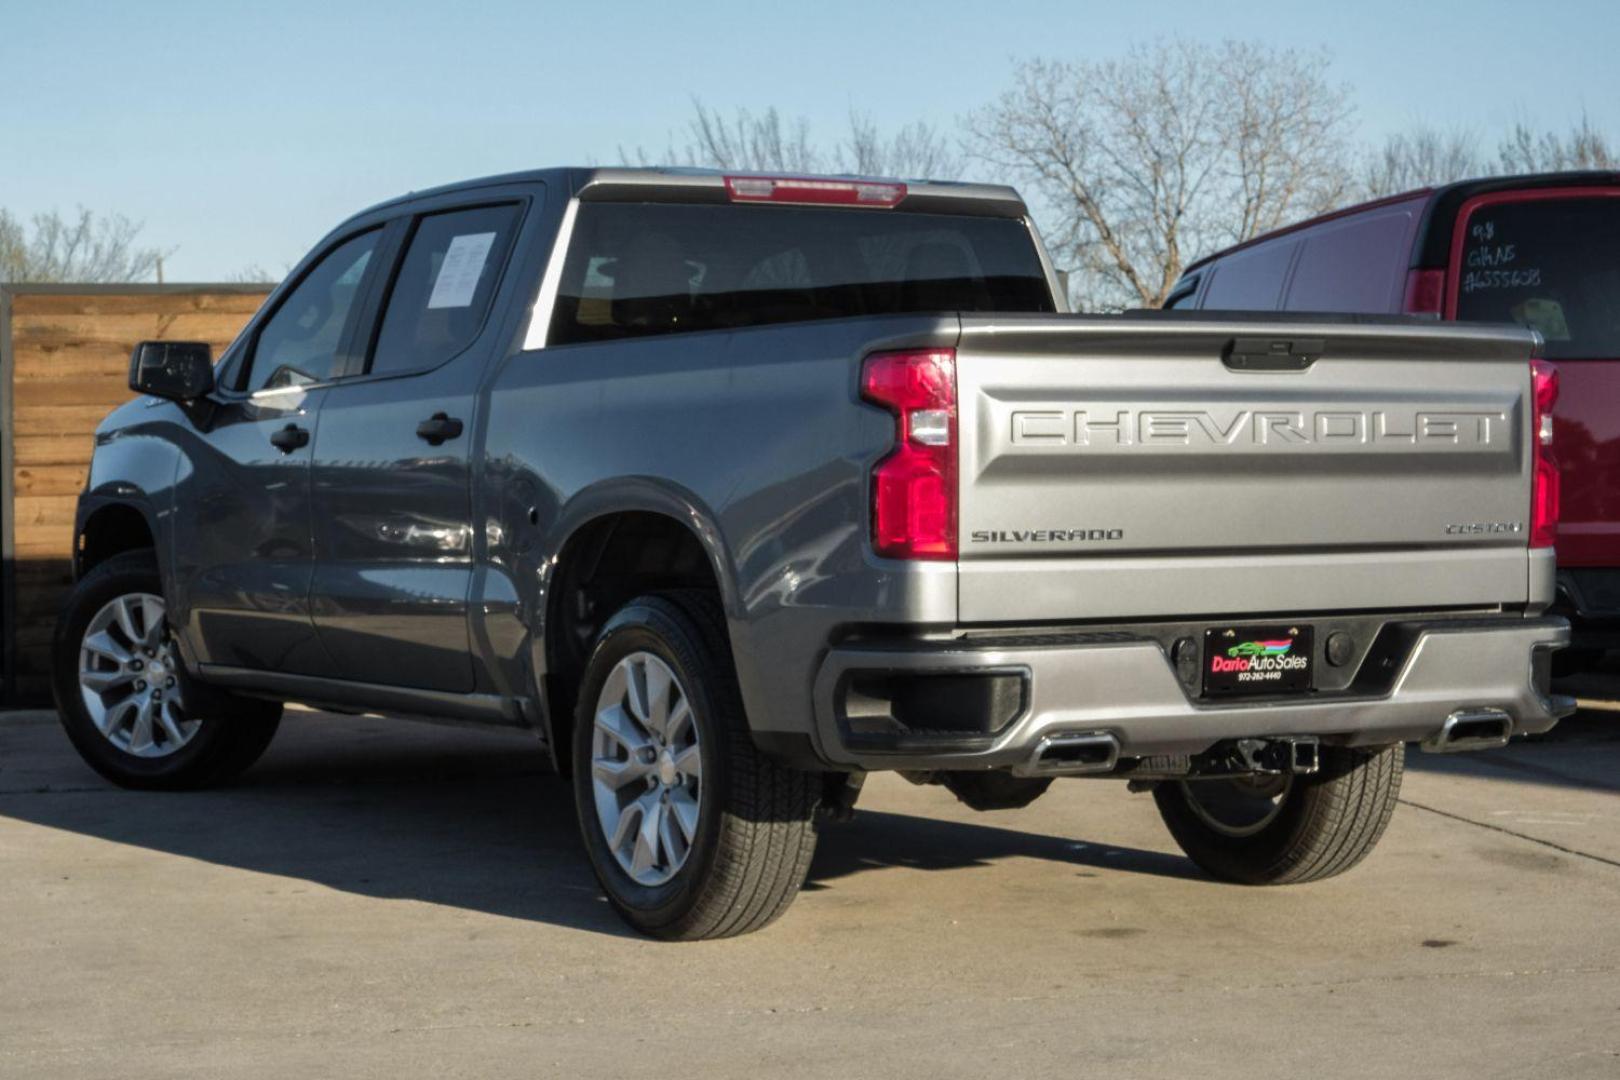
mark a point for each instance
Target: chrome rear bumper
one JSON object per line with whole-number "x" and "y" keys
{"x": 1128, "y": 688}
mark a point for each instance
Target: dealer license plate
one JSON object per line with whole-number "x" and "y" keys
{"x": 1257, "y": 660}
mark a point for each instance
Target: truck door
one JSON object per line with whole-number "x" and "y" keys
{"x": 242, "y": 552}
{"x": 391, "y": 477}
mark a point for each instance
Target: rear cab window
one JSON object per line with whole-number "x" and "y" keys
{"x": 1551, "y": 264}
{"x": 638, "y": 269}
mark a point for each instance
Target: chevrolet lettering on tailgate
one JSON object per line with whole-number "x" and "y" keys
{"x": 1119, "y": 427}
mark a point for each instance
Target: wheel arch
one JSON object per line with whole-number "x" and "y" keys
{"x": 612, "y": 543}
{"x": 109, "y": 526}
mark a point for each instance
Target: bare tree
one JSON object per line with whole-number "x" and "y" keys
{"x": 1287, "y": 129}
{"x": 916, "y": 150}
{"x": 770, "y": 142}
{"x": 1421, "y": 157}
{"x": 748, "y": 141}
{"x": 1425, "y": 156}
{"x": 13, "y": 249}
{"x": 254, "y": 274}
{"x": 84, "y": 248}
{"x": 1177, "y": 148}
{"x": 1584, "y": 147}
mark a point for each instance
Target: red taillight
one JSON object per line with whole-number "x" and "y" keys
{"x": 914, "y": 488}
{"x": 1544, "y": 482}
{"x": 814, "y": 192}
{"x": 1425, "y": 292}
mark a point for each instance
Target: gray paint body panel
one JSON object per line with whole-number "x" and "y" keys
{"x": 240, "y": 516}
{"x": 1225, "y": 586}
{"x": 393, "y": 528}
{"x": 754, "y": 439}
{"x": 1117, "y": 468}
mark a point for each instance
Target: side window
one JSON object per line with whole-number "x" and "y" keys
{"x": 1358, "y": 264}
{"x": 444, "y": 287}
{"x": 1182, "y": 295}
{"x": 300, "y": 342}
{"x": 1250, "y": 280}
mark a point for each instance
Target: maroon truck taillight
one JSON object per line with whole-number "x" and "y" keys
{"x": 914, "y": 488}
{"x": 1425, "y": 292}
{"x": 1544, "y": 482}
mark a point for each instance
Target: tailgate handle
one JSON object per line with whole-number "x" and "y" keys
{"x": 1271, "y": 354}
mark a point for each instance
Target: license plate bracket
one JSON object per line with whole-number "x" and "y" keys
{"x": 1272, "y": 659}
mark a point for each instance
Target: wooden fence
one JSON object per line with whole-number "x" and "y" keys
{"x": 64, "y": 364}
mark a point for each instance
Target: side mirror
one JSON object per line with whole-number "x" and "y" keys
{"x": 177, "y": 370}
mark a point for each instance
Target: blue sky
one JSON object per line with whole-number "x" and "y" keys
{"x": 240, "y": 133}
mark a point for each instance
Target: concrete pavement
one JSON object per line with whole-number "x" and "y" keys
{"x": 389, "y": 899}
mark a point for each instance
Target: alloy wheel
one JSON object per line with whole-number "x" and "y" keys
{"x": 646, "y": 769}
{"x": 129, "y": 678}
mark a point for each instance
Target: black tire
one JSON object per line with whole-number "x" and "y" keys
{"x": 233, "y": 732}
{"x": 755, "y": 831}
{"x": 1325, "y": 824}
{"x": 995, "y": 790}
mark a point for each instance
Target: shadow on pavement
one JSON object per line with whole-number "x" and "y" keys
{"x": 877, "y": 840}
{"x": 459, "y": 818}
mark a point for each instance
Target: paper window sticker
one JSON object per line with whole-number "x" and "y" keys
{"x": 459, "y": 273}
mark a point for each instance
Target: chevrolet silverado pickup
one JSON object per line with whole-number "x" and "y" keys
{"x": 735, "y": 488}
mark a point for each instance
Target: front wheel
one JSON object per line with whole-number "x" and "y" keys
{"x": 1280, "y": 830}
{"x": 692, "y": 832}
{"x": 124, "y": 698}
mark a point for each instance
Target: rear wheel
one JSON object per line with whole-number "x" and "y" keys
{"x": 1278, "y": 830}
{"x": 125, "y": 699}
{"x": 692, "y": 832}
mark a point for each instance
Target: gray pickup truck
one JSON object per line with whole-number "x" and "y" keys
{"x": 733, "y": 489}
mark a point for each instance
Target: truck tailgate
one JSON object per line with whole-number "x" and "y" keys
{"x": 1138, "y": 467}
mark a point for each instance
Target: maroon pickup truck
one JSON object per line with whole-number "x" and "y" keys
{"x": 1540, "y": 251}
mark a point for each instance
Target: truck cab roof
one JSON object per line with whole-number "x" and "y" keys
{"x": 1441, "y": 203}
{"x": 681, "y": 184}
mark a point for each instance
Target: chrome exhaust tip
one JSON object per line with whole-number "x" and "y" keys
{"x": 1470, "y": 729}
{"x": 1072, "y": 753}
